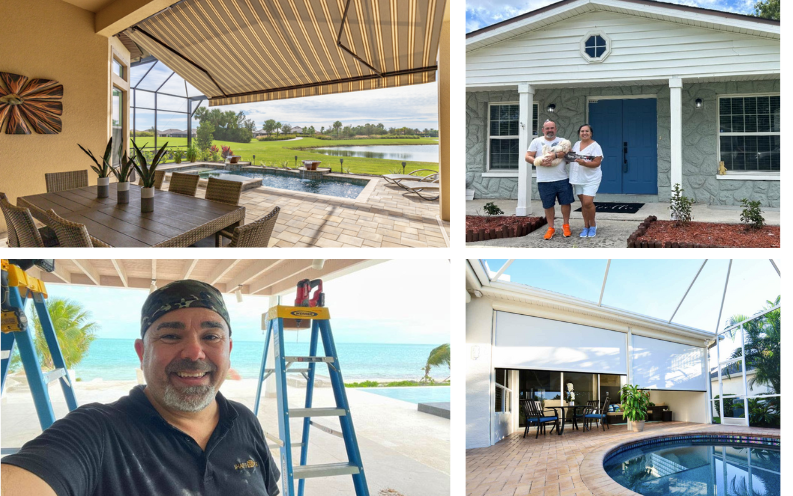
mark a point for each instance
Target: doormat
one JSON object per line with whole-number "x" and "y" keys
{"x": 617, "y": 208}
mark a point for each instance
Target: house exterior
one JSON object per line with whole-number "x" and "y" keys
{"x": 670, "y": 91}
{"x": 175, "y": 133}
{"x": 297, "y": 130}
{"x": 527, "y": 343}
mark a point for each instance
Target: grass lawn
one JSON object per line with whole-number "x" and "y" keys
{"x": 276, "y": 152}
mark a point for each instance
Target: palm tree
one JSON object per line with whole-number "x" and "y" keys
{"x": 762, "y": 345}
{"x": 337, "y": 126}
{"x": 73, "y": 328}
{"x": 438, "y": 356}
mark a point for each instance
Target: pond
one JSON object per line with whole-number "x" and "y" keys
{"x": 407, "y": 153}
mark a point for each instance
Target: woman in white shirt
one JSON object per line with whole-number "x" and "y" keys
{"x": 585, "y": 177}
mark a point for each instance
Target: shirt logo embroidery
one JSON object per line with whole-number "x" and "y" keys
{"x": 244, "y": 465}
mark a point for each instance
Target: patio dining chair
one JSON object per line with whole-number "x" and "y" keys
{"x": 255, "y": 234}
{"x": 598, "y": 415}
{"x": 158, "y": 178}
{"x": 22, "y": 230}
{"x": 534, "y": 413}
{"x": 72, "y": 234}
{"x": 223, "y": 191}
{"x": 184, "y": 184}
{"x": 61, "y": 181}
{"x": 591, "y": 406}
{"x": 397, "y": 178}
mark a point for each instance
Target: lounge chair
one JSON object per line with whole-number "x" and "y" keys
{"x": 397, "y": 178}
{"x": 421, "y": 188}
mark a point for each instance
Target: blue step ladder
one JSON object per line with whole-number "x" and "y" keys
{"x": 277, "y": 320}
{"x": 17, "y": 287}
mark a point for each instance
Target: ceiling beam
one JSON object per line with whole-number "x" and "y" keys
{"x": 287, "y": 269}
{"x": 284, "y": 278}
{"x": 258, "y": 268}
{"x": 189, "y": 265}
{"x": 223, "y": 267}
{"x": 60, "y": 273}
{"x": 121, "y": 14}
{"x": 122, "y": 273}
{"x": 89, "y": 270}
{"x": 153, "y": 269}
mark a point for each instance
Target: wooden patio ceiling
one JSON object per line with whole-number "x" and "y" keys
{"x": 252, "y": 277}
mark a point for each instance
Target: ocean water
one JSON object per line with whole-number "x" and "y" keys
{"x": 115, "y": 359}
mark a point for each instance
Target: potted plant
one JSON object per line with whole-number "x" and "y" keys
{"x": 103, "y": 170}
{"x": 192, "y": 153}
{"x": 177, "y": 156}
{"x": 147, "y": 177}
{"x": 122, "y": 173}
{"x": 634, "y": 406}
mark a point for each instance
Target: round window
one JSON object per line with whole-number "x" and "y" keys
{"x": 595, "y": 46}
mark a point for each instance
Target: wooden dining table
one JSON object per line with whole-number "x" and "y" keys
{"x": 177, "y": 220}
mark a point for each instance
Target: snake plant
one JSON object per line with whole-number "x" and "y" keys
{"x": 127, "y": 165}
{"x": 145, "y": 170}
{"x": 104, "y": 169}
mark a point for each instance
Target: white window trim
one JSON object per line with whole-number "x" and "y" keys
{"x": 582, "y": 48}
{"x": 742, "y": 175}
{"x": 502, "y": 172}
{"x": 506, "y": 404}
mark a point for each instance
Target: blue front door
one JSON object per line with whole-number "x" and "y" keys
{"x": 626, "y": 130}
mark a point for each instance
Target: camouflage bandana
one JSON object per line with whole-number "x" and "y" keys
{"x": 182, "y": 294}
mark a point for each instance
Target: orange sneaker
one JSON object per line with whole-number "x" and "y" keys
{"x": 549, "y": 233}
{"x": 566, "y": 230}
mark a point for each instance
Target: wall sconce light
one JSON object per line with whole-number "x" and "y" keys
{"x": 551, "y": 108}
{"x": 474, "y": 352}
{"x": 698, "y": 103}
{"x": 153, "y": 286}
{"x": 238, "y": 294}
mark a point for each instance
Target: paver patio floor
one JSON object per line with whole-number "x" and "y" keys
{"x": 566, "y": 465}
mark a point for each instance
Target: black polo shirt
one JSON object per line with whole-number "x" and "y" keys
{"x": 127, "y": 449}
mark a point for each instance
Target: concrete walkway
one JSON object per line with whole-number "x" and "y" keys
{"x": 403, "y": 450}
{"x": 613, "y": 229}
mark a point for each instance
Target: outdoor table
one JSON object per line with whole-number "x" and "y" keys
{"x": 177, "y": 220}
{"x": 564, "y": 415}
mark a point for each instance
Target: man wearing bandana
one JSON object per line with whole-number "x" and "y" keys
{"x": 177, "y": 435}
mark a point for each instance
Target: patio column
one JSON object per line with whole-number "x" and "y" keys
{"x": 444, "y": 120}
{"x": 526, "y": 93}
{"x": 676, "y": 130}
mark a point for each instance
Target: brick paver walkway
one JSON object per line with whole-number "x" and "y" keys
{"x": 566, "y": 465}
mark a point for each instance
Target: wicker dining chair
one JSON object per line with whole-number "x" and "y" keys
{"x": 22, "y": 230}
{"x": 72, "y": 234}
{"x": 255, "y": 234}
{"x": 184, "y": 184}
{"x": 223, "y": 191}
{"x": 159, "y": 176}
{"x": 61, "y": 181}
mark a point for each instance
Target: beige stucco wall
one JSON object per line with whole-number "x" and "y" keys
{"x": 55, "y": 40}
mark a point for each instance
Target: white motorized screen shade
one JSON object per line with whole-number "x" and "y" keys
{"x": 534, "y": 343}
{"x": 666, "y": 365}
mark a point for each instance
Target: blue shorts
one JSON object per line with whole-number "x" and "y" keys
{"x": 550, "y": 192}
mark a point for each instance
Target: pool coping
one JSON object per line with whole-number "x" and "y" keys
{"x": 363, "y": 196}
{"x": 600, "y": 483}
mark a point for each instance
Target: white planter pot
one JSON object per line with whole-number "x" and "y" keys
{"x": 102, "y": 187}
{"x": 122, "y": 192}
{"x": 469, "y": 194}
{"x": 637, "y": 425}
{"x": 146, "y": 200}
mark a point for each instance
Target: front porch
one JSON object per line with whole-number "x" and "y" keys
{"x": 567, "y": 465}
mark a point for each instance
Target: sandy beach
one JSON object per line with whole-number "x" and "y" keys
{"x": 403, "y": 450}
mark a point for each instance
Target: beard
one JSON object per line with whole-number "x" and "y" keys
{"x": 188, "y": 399}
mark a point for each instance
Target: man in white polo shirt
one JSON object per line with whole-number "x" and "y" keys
{"x": 553, "y": 182}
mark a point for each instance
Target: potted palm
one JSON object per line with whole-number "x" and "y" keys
{"x": 634, "y": 406}
{"x": 122, "y": 173}
{"x": 146, "y": 172}
{"x": 102, "y": 170}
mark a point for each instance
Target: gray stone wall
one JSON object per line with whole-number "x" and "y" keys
{"x": 700, "y": 131}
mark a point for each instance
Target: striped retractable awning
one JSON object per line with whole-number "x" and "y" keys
{"x": 241, "y": 51}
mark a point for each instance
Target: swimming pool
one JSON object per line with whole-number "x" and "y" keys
{"x": 426, "y": 394}
{"x": 701, "y": 465}
{"x": 343, "y": 188}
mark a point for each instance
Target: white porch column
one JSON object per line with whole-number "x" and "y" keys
{"x": 526, "y": 93}
{"x": 676, "y": 130}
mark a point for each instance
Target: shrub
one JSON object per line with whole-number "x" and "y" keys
{"x": 492, "y": 209}
{"x": 751, "y": 215}
{"x": 204, "y": 135}
{"x": 680, "y": 206}
{"x": 177, "y": 156}
{"x": 193, "y": 152}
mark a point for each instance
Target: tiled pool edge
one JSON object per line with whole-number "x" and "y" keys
{"x": 599, "y": 483}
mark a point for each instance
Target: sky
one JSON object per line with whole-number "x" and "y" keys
{"x": 384, "y": 303}
{"x": 412, "y": 106}
{"x": 482, "y": 13}
{"x": 655, "y": 287}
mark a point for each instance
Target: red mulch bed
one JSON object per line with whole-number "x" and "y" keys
{"x": 481, "y": 228}
{"x": 653, "y": 233}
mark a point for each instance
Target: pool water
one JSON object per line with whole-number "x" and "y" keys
{"x": 426, "y": 394}
{"x": 689, "y": 467}
{"x": 327, "y": 186}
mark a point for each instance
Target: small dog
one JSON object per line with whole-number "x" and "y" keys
{"x": 563, "y": 146}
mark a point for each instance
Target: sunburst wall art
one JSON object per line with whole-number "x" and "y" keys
{"x": 37, "y": 100}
